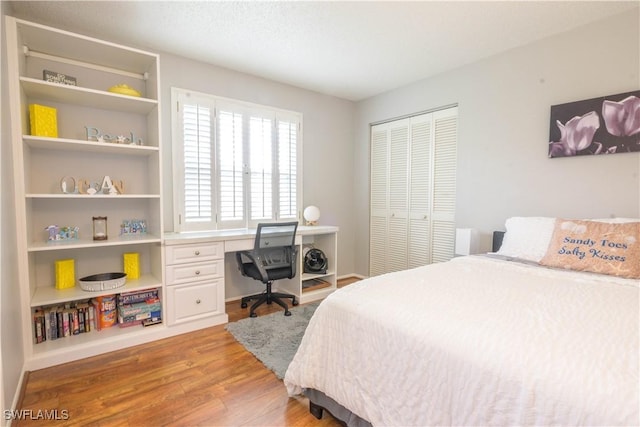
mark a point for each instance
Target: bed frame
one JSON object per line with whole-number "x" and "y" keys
{"x": 320, "y": 402}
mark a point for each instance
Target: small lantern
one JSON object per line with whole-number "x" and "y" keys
{"x": 99, "y": 228}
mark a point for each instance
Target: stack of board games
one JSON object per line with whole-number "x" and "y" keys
{"x": 139, "y": 308}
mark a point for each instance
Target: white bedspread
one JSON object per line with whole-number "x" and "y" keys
{"x": 477, "y": 341}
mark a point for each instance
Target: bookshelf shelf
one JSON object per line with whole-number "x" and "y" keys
{"x": 93, "y": 338}
{"x": 48, "y": 295}
{"x": 86, "y": 243}
{"x": 92, "y": 197}
{"x": 85, "y": 97}
{"x": 40, "y": 142}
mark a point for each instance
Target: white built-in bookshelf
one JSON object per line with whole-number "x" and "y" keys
{"x": 40, "y": 163}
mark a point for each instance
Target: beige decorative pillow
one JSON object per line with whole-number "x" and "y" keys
{"x": 598, "y": 247}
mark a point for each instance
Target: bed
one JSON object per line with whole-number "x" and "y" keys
{"x": 507, "y": 338}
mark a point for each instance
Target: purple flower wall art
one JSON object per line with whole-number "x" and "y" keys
{"x": 606, "y": 125}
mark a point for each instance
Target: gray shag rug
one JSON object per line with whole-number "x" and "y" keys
{"x": 274, "y": 338}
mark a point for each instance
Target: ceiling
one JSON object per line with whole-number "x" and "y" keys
{"x": 352, "y": 50}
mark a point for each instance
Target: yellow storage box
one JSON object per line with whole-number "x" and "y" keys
{"x": 43, "y": 120}
{"x": 132, "y": 265}
{"x": 65, "y": 274}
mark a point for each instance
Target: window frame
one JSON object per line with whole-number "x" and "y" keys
{"x": 248, "y": 111}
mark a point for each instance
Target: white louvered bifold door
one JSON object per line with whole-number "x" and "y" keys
{"x": 444, "y": 184}
{"x": 397, "y": 250}
{"x": 378, "y": 210}
{"x": 419, "y": 235}
{"x": 413, "y": 183}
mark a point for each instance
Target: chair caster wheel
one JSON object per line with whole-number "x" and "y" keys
{"x": 253, "y": 315}
{"x": 287, "y": 313}
{"x": 243, "y": 305}
{"x": 295, "y": 302}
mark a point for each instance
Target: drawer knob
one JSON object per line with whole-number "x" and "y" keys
{"x": 197, "y": 252}
{"x": 197, "y": 272}
{"x": 198, "y": 301}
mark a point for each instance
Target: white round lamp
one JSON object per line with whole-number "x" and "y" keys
{"x": 311, "y": 215}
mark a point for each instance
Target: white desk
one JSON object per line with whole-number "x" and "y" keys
{"x": 201, "y": 273}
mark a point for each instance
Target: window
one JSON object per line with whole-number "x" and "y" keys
{"x": 235, "y": 164}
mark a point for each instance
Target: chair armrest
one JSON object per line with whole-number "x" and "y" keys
{"x": 256, "y": 259}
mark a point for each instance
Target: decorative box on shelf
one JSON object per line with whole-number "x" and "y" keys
{"x": 65, "y": 274}
{"x": 43, "y": 120}
{"x": 131, "y": 263}
{"x": 55, "y": 77}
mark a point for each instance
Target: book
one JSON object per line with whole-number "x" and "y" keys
{"x": 38, "y": 326}
{"x": 75, "y": 324}
{"x": 92, "y": 317}
{"x": 67, "y": 319}
{"x": 51, "y": 323}
{"x": 96, "y": 308}
{"x": 47, "y": 325}
{"x": 83, "y": 314}
{"x": 60, "y": 321}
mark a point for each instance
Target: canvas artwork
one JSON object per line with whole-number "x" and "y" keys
{"x": 605, "y": 125}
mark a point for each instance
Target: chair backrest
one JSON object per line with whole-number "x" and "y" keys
{"x": 277, "y": 234}
{"x": 275, "y": 249}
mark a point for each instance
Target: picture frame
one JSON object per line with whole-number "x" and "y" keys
{"x": 605, "y": 125}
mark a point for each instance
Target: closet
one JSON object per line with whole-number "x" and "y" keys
{"x": 413, "y": 191}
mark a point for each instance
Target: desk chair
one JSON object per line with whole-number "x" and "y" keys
{"x": 274, "y": 257}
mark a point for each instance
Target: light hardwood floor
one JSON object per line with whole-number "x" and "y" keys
{"x": 203, "y": 378}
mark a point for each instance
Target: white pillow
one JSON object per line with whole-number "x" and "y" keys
{"x": 527, "y": 237}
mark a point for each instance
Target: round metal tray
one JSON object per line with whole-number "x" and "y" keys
{"x": 103, "y": 281}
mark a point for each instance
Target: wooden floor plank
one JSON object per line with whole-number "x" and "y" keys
{"x": 203, "y": 378}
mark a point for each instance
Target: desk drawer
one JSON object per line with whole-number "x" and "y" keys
{"x": 184, "y": 273}
{"x": 189, "y": 302}
{"x": 177, "y": 254}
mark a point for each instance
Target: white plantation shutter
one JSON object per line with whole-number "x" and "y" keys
{"x": 287, "y": 169}
{"x": 198, "y": 170}
{"x": 236, "y": 164}
{"x": 413, "y": 183}
{"x": 194, "y": 188}
{"x": 261, "y": 168}
{"x": 230, "y": 167}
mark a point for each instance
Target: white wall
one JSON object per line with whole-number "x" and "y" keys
{"x": 504, "y": 101}
{"x": 327, "y": 139}
{"x": 12, "y": 357}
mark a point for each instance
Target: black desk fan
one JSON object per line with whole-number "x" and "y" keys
{"x": 315, "y": 262}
